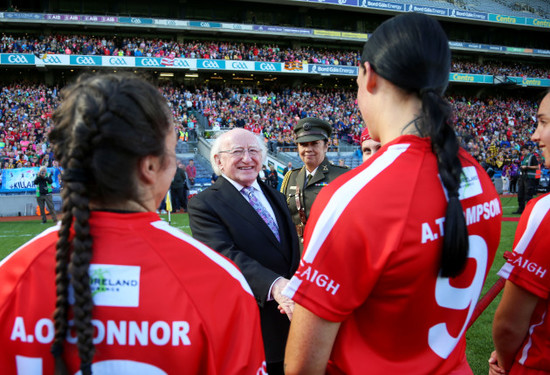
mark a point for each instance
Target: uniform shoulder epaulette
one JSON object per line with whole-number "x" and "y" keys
{"x": 340, "y": 166}
{"x": 286, "y": 178}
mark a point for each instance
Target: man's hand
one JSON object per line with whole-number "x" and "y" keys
{"x": 494, "y": 368}
{"x": 286, "y": 305}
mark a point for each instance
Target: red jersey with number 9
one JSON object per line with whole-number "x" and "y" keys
{"x": 373, "y": 248}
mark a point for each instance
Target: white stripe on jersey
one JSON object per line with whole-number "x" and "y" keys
{"x": 338, "y": 203}
{"x": 341, "y": 198}
{"x": 537, "y": 215}
{"x": 525, "y": 351}
{"x": 208, "y": 252}
{"x": 55, "y": 228}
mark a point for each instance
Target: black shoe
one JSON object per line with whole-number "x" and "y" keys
{"x": 44, "y": 221}
{"x": 518, "y": 212}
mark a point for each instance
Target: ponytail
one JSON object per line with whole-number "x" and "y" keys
{"x": 435, "y": 124}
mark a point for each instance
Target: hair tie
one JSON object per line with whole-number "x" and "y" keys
{"x": 453, "y": 194}
{"x": 427, "y": 90}
{"x": 57, "y": 350}
{"x": 86, "y": 368}
{"x": 75, "y": 175}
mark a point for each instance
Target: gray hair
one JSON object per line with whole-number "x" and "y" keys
{"x": 221, "y": 138}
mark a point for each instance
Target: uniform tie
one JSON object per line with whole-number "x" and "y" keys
{"x": 309, "y": 176}
{"x": 260, "y": 209}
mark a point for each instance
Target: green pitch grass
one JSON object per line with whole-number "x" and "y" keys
{"x": 479, "y": 340}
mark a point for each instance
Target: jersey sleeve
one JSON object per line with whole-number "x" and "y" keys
{"x": 338, "y": 270}
{"x": 528, "y": 265}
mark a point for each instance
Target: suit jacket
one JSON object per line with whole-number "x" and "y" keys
{"x": 222, "y": 218}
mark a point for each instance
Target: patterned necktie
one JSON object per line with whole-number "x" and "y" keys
{"x": 260, "y": 209}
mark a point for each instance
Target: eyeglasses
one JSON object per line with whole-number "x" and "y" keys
{"x": 240, "y": 151}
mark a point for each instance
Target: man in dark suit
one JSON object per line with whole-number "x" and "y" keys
{"x": 249, "y": 222}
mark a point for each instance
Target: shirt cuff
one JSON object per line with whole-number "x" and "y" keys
{"x": 269, "y": 295}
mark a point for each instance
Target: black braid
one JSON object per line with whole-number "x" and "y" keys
{"x": 104, "y": 126}
{"x": 436, "y": 113}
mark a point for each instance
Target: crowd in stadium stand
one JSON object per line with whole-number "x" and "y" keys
{"x": 136, "y": 46}
{"x": 491, "y": 129}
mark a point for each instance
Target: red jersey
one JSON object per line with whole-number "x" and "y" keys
{"x": 528, "y": 268}
{"x": 164, "y": 303}
{"x": 373, "y": 248}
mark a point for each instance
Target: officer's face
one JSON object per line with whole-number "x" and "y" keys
{"x": 312, "y": 153}
{"x": 244, "y": 165}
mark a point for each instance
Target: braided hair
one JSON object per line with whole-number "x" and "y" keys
{"x": 104, "y": 126}
{"x": 412, "y": 52}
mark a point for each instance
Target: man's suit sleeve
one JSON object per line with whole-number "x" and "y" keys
{"x": 207, "y": 227}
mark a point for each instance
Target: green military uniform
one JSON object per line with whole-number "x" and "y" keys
{"x": 299, "y": 196}
{"x": 294, "y": 182}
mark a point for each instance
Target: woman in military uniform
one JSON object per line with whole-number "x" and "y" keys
{"x": 301, "y": 185}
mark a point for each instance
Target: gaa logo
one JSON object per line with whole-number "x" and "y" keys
{"x": 267, "y": 67}
{"x": 210, "y": 64}
{"x": 17, "y": 59}
{"x": 239, "y": 65}
{"x": 136, "y": 20}
{"x": 182, "y": 63}
{"x": 149, "y": 62}
{"x": 52, "y": 60}
{"x": 85, "y": 60}
{"x": 117, "y": 61}
{"x": 205, "y": 24}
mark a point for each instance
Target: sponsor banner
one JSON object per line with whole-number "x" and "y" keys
{"x": 237, "y": 26}
{"x": 526, "y": 81}
{"x": 496, "y": 48}
{"x": 216, "y": 25}
{"x": 537, "y": 22}
{"x": 507, "y": 19}
{"x": 327, "y": 33}
{"x": 211, "y": 64}
{"x": 148, "y": 62}
{"x": 514, "y": 49}
{"x": 239, "y": 65}
{"x": 53, "y": 60}
{"x": 470, "y": 78}
{"x": 17, "y": 59}
{"x": 339, "y": 2}
{"x": 427, "y": 10}
{"x": 281, "y": 29}
{"x": 333, "y": 69}
{"x": 355, "y": 35}
{"x": 118, "y": 61}
{"x": 177, "y": 23}
{"x": 268, "y": 66}
{"x": 100, "y": 19}
{"x": 24, "y": 16}
{"x": 85, "y": 60}
{"x": 22, "y": 179}
{"x": 1, "y": 15}
{"x": 382, "y": 5}
{"x": 457, "y": 44}
{"x": 136, "y": 20}
{"x": 468, "y": 14}
{"x": 542, "y": 51}
{"x": 62, "y": 17}
{"x": 185, "y": 64}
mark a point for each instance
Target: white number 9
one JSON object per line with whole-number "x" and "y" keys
{"x": 447, "y": 296}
